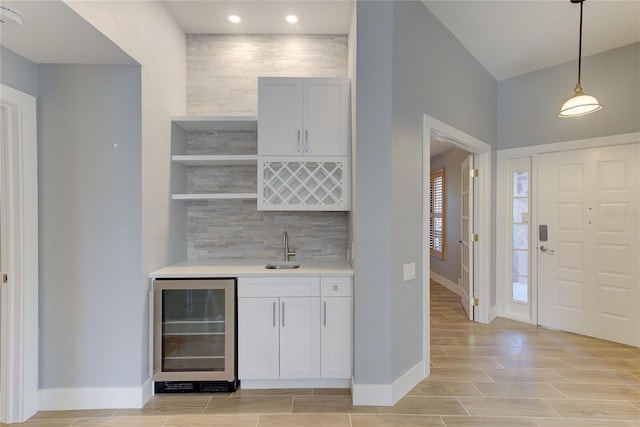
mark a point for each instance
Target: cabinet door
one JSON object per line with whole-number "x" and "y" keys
{"x": 258, "y": 338}
{"x": 300, "y": 337}
{"x": 326, "y": 117}
{"x": 336, "y": 337}
{"x": 280, "y": 116}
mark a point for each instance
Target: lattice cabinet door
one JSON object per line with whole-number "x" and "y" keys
{"x": 295, "y": 184}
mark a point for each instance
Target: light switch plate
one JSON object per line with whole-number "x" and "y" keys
{"x": 409, "y": 271}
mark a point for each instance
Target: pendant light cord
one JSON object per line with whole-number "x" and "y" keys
{"x": 580, "y": 44}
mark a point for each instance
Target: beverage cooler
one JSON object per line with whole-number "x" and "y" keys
{"x": 194, "y": 335}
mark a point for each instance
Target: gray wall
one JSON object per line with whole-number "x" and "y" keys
{"x": 451, "y": 161}
{"x": 18, "y": 72}
{"x": 372, "y": 215}
{"x": 613, "y": 77}
{"x": 222, "y": 72}
{"x": 90, "y": 225}
{"x": 409, "y": 64}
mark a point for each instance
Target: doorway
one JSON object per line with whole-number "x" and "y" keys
{"x": 588, "y": 274}
{"x": 569, "y": 221}
{"x": 434, "y": 129}
{"x": 19, "y": 257}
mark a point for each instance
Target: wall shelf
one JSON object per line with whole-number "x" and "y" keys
{"x": 215, "y": 196}
{"x": 215, "y": 160}
{"x": 213, "y": 123}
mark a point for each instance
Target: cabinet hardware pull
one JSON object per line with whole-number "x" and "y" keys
{"x": 283, "y": 314}
{"x": 324, "y": 309}
{"x": 274, "y": 314}
{"x": 306, "y": 141}
{"x": 299, "y": 147}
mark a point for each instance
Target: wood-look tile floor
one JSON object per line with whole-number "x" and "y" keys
{"x": 503, "y": 374}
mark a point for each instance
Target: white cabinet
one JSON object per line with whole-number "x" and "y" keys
{"x": 303, "y": 144}
{"x": 336, "y": 331}
{"x": 303, "y": 116}
{"x": 278, "y": 327}
{"x": 259, "y": 338}
{"x": 294, "y": 328}
{"x": 299, "y": 337}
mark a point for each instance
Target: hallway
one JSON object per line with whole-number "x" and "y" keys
{"x": 504, "y": 374}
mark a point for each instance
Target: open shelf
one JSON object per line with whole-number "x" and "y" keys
{"x": 215, "y": 196}
{"x": 228, "y": 123}
{"x": 219, "y": 160}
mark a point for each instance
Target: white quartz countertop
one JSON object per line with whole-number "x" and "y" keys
{"x": 250, "y": 268}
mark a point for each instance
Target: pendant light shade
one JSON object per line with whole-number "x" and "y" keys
{"x": 579, "y": 104}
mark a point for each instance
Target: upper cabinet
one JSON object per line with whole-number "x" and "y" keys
{"x": 303, "y": 116}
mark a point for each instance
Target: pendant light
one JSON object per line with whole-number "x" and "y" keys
{"x": 579, "y": 104}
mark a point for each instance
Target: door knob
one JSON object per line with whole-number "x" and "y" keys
{"x": 547, "y": 250}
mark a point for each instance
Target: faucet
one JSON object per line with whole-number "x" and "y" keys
{"x": 287, "y": 252}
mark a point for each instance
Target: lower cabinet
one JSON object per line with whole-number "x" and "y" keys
{"x": 294, "y": 328}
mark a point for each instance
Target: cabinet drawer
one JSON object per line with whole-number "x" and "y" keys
{"x": 335, "y": 286}
{"x": 268, "y": 287}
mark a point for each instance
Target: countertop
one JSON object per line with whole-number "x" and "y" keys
{"x": 250, "y": 268}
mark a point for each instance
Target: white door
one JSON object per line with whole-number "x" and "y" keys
{"x": 3, "y": 142}
{"x": 588, "y": 267}
{"x": 280, "y": 104}
{"x": 335, "y": 338}
{"x": 326, "y": 115}
{"x": 466, "y": 230}
{"x": 19, "y": 333}
{"x": 300, "y": 337}
{"x": 258, "y": 338}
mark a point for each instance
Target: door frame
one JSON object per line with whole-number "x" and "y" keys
{"x": 482, "y": 218}
{"x": 19, "y": 312}
{"x": 503, "y": 245}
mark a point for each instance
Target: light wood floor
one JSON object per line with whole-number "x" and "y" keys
{"x": 503, "y": 374}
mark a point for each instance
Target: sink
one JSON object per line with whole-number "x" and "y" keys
{"x": 282, "y": 265}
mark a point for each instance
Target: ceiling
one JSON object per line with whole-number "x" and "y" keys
{"x": 53, "y": 33}
{"x": 508, "y": 38}
{"x": 262, "y": 16}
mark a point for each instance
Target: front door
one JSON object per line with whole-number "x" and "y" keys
{"x": 588, "y": 245}
{"x": 466, "y": 229}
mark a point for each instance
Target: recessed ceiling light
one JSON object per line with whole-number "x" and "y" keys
{"x": 292, "y": 19}
{"x": 234, "y": 18}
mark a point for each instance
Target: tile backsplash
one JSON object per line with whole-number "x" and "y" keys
{"x": 222, "y": 72}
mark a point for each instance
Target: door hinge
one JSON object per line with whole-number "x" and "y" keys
{"x": 475, "y": 302}
{"x": 473, "y": 237}
{"x": 5, "y": 278}
{"x": 473, "y": 173}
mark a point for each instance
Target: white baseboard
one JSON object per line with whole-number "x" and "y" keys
{"x": 453, "y": 287}
{"x": 57, "y": 399}
{"x": 388, "y": 394}
{"x": 493, "y": 313}
{"x": 147, "y": 391}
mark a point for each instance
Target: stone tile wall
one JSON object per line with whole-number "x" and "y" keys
{"x": 222, "y": 70}
{"x": 222, "y": 73}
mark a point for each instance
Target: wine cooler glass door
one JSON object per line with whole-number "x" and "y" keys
{"x": 195, "y": 328}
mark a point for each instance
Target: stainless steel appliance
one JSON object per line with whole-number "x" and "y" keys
{"x": 195, "y": 335}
